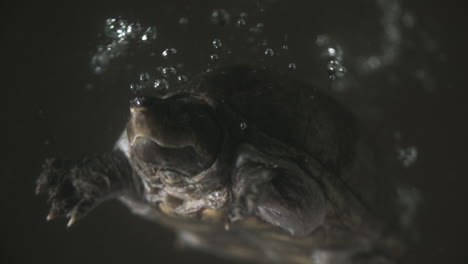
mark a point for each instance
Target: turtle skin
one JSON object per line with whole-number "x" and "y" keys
{"x": 242, "y": 163}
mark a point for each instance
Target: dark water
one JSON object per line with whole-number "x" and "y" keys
{"x": 54, "y": 105}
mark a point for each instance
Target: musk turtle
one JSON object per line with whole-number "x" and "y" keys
{"x": 243, "y": 163}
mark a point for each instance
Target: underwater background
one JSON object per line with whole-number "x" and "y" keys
{"x": 69, "y": 71}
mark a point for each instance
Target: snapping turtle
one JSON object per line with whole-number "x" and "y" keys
{"x": 242, "y": 163}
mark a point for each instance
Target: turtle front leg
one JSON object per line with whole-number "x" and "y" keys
{"x": 277, "y": 191}
{"x": 76, "y": 187}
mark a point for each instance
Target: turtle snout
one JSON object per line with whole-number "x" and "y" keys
{"x": 138, "y": 103}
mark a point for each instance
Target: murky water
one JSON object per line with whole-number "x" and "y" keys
{"x": 397, "y": 65}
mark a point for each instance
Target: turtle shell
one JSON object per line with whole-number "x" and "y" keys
{"x": 290, "y": 111}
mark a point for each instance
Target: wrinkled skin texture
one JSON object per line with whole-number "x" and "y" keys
{"x": 242, "y": 163}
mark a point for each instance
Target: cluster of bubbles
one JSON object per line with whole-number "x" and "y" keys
{"x": 122, "y": 30}
{"x": 258, "y": 28}
{"x": 391, "y": 21}
{"x": 160, "y": 81}
{"x": 242, "y": 20}
{"x": 408, "y": 155}
{"x": 334, "y": 55}
{"x": 252, "y": 29}
{"x": 220, "y": 17}
{"x": 120, "y": 34}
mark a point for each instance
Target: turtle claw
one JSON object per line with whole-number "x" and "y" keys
{"x": 67, "y": 188}
{"x": 38, "y": 190}
{"x": 81, "y": 209}
{"x": 52, "y": 214}
{"x": 72, "y": 220}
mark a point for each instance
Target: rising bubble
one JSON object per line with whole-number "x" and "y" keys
{"x": 241, "y": 22}
{"x": 408, "y": 156}
{"x": 269, "y": 52}
{"x": 220, "y": 17}
{"x": 217, "y": 44}
{"x": 182, "y": 78}
{"x": 214, "y": 57}
{"x": 169, "y": 52}
{"x": 243, "y": 126}
{"x": 336, "y": 69}
{"x": 183, "y": 20}
{"x": 144, "y": 76}
{"x": 168, "y": 71}
{"x": 161, "y": 85}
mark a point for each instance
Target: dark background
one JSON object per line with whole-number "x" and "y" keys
{"x": 54, "y": 106}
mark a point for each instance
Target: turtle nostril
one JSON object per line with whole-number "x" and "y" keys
{"x": 137, "y": 102}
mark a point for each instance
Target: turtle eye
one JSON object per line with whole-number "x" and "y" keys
{"x": 183, "y": 159}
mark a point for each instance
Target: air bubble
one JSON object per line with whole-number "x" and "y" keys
{"x": 183, "y": 20}
{"x": 217, "y": 44}
{"x": 241, "y": 22}
{"x": 161, "y": 85}
{"x": 182, "y": 78}
{"x": 144, "y": 76}
{"x": 150, "y": 33}
{"x": 168, "y": 52}
{"x": 408, "y": 156}
{"x": 335, "y": 69}
{"x": 292, "y": 66}
{"x": 269, "y": 52}
{"x": 134, "y": 87}
{"x": 133, "y": 28}
{"x": 243, "y": 126}
{"x": 115, "y": 28}
{"x": 98, "y": 70}
{"x": 322, "y": 40}
{"x": 120, "y": 34}
{"x": 214, "y": 57}
{"x": 329, "y": 48}
{"x": 168, "y": 71}
{"x": 220, "y": 17}
{"x": 258, "y": 28}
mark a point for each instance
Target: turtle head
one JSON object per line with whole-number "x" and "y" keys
{"x": 178, "y": 134}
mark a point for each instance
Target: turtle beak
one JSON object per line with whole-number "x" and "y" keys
{"x": 138, "y": 104}
{"x": 151, "y": 118}
{"x": 140, "y": 120}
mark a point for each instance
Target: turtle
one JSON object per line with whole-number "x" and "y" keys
{"x": 245, "y": 163}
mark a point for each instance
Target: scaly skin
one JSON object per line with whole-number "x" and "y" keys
{"x": 76, "y": 187}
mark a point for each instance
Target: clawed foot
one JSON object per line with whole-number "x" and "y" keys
{"x": 70, "y": 191}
